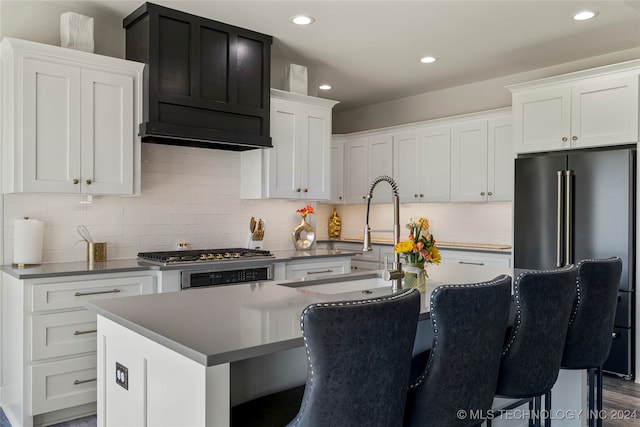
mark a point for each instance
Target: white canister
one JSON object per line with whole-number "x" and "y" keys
{"x": 27, "y": 242}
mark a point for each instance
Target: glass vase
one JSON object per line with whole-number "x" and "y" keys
{"x": 415, "y": 276}
{"x": 303, "y": 235}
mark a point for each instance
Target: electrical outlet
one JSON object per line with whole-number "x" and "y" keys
{"x": 122, "y": 376}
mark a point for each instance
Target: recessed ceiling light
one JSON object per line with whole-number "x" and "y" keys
{"x": 584, "y": 15}
{"x": 324, "y": 87}
{"x": 427, "y": 59}
{"x": 302, "y": 20}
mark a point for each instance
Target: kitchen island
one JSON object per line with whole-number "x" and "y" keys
{"x": 185, "y": 358}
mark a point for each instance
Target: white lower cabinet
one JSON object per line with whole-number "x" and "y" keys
{"x": 49, "y": 343}
{"x": 453, "y": 256}
{"x": 316, "y": 268}
{"x": 64, "y": 384}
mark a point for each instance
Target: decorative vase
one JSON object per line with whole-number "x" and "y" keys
{"x": 415, "y": 276}
{"x": 303, "y": 235}
{"x": 334, "y": 225}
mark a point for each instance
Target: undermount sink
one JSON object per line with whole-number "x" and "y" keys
{"x": 348, "y": 286}
{"x": 342, "y": 283}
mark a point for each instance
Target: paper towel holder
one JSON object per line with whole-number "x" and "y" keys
{"x": 24, "y": 265}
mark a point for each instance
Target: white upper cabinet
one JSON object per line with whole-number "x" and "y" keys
{"x": 482, "y": 160}
{"x": 469, "y": 162}
{"x": 298, "y": 166}
{"x": 367, "y": 158}
{"x": 586, "y": 109}
{"x": 501, "y": 160}
{"x": 70, "y": 120}
{"x": 422, "y": 164}
{"x": 337, "y": 171}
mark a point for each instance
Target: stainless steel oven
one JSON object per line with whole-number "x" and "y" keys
{"x": 225, "y": 276}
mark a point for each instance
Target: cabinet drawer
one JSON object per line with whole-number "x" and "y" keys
{"x": 357, "y": 265}
{"x": 317, "y": 270}
{"x": 63, "y": 334}
{"x": 63, "y": 384}
{"x": 63, "y": 295}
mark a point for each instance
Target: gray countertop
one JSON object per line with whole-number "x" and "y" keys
{"x": 458, "y": 246}
{"x": 125, "y": 265}
{"x": 229, "y": 323}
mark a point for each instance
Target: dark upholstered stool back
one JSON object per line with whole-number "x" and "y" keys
{"x": 532, "y": 355}
{"x": 359, "y": 356}
{"x": 589, "y": 336}
{"x": 462, "y": 369}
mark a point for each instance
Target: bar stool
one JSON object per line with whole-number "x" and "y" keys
{"x": 533, "y": 351}
{"x": 453, "y": 383}
{"x": 358, "y": 359}
{"x": 591, "y": 325}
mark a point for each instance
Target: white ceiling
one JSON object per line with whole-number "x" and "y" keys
{"x": 369, "y": 50}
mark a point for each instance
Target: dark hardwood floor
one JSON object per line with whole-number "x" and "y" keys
{"x": 620, "y": 399}
{"x": 621, "y": 402}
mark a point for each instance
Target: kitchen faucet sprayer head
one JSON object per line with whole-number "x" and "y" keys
{"x": 366, "y": 247}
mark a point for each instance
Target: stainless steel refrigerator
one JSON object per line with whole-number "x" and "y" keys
{"x": 577, "y": 205}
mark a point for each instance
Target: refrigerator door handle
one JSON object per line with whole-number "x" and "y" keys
{"x": 559, "y": 221}
{"x": 568, "y": 216}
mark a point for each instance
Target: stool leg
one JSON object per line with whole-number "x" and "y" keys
{"x": 547, "y": 409}
{"x": 599, "y": 396}
{"x": 591, "y": 396}
{"x": 538, "y": 406}
{"x": 531, "y": 413}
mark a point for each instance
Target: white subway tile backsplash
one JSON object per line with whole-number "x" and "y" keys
{"x": 192, "y": 195}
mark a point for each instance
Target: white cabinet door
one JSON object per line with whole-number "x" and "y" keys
{"x": 500, "y": 160}
{"x": 605, "y": 112}
{"x": 337, "y": 171}
{"x": 107, "y": 132}
{"x": 314, "y": 164}
{"x": 435, "y": 165}
{"x": 51, "y": 129}
{"x": 283, "y": 180}
{"x": 542, "y": 119}
{"x": 380, "y": 163}
{"x": 408, "y": 164}
{"x": 356, "y": 177}
{"x": 469, "y": 162}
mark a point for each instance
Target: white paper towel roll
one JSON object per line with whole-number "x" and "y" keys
{"x": 27, "y": 241}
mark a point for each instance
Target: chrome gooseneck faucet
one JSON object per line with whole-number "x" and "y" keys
{"x": 396, "y": 274}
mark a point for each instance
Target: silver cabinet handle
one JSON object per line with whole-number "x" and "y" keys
{"x": 575, "y": 138}
{"x": 568, "y": 214}
{"x": 90, "y": 331}
{"x": 559, "y": 223}
{"x": 76, "y": 382}
{"x": 615, "y": 335}
{"x": 76, "y": 180}
{"x": 415, "y": 195}
{"x": 88, "y": 182}
{"x": 318, "y": 272}
{"x": 82, "y": 294}
{"x": 470, "y": 263}
{"x": 490, "y": 193}
{"x": 564, "y": 139}
{"x": 421, "y": 195}
{"x": 482, "y": 193}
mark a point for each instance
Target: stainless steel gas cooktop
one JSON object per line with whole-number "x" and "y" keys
{"x": 202, "y": 256}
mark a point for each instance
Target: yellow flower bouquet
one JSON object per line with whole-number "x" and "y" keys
{"x": 419, "y": 249}
{"x": 421, "y": 246}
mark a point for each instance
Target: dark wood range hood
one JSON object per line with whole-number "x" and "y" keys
{"x": 207, "y": 83}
